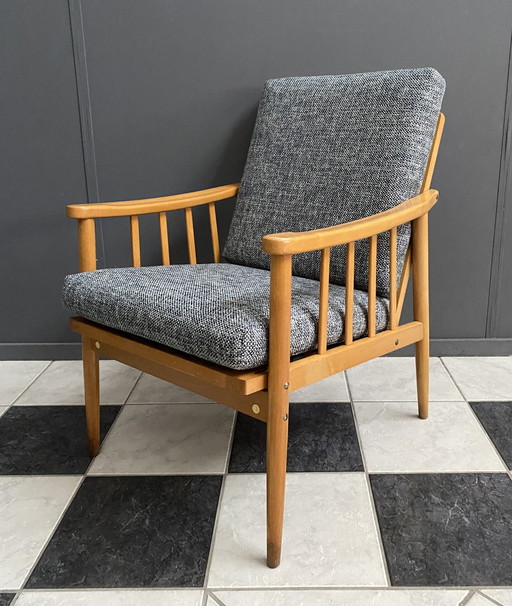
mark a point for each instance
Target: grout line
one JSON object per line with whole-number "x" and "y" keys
{"x": 369, "y": 489}
{"x": 53, "y": 529}
{"x": 215, "y": 598}
{"x": 487, "y": 597}
{"x": 340, "y": 588}
{"x": 452, "y": 378}
{"x": 286, "y": 588}
{"x": 114, "y": 422}
{"x": 133, "y": 387}
{"x": 31, "y": 382}
{"x": 15, "y": 598}
{"x": 466, "y": 599}
{"x": 480, "y": 424}
{"x": 221, "y": 494}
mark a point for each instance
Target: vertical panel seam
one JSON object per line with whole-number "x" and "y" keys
{"x": 85, "y": 113}
{"x": 503, "y": 209}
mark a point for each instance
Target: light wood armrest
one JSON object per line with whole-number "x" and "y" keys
{"x": 289, "y": 243}
{"x": 151, "y": 205}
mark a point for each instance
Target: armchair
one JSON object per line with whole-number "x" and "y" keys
{"x": 346, "y": 163}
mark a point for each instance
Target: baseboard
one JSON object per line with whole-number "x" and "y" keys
{"x": 438, "y": 347}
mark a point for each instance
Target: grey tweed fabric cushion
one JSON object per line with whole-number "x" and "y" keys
{"x": 331, "y": 149}
{"x": 217, "y": 312}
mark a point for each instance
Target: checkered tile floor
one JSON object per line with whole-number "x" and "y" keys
{"x": 381, "y": 508}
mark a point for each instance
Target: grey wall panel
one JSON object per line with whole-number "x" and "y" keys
{"x": 174, "y": 87}
{"x": 41, "y": 168}
{"x": 504, "y": 316}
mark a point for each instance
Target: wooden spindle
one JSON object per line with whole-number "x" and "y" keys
{"x": 164, "y": 238}
{"x": 349, "y": 293}
{"x": 402, "y": 289}
{"x": 372, "y": 286}
{"x": 214, "y": 232}
{"x": 392, "y": 279}
{"x": 135, "y": 234}
{"x": 190, "y": 236}
{"x": 324, "y": 300}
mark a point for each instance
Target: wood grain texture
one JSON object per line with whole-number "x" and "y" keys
{"x": 135, "y": 237}
{"x": 90, "y": 361}
{"x": 87, "y": 244}
{"x": 214, "y": 232}
{"x": 151, "y": 205}
{"x": 324, "y": 300}
{"x": 164, "y": 238}
{"x": 349, "y": 294}
{"x": 288, "y": 243}
{"x": 372, "y": 285}
{"x": 278, "y": 394}
{"x": 191, "y": 240}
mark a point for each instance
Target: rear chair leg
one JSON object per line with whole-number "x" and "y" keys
{"x": 90, "y": 360}
{"x": 422, "y": 376}
{"x": 421, "y": 309}
{"x": 277, "y": 446}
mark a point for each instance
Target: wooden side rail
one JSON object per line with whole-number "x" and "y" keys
{"x": 87, "y": 213}
{"x": 290, "y": 243}
{"x": 283, "y": 245}
{"x": 151, "y": 205}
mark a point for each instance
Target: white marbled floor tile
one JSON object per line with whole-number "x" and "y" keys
{"x": 151, "y": 390}
{"x": 332, "y": 389}
{"x": 503, "y": 596}
{"x": 117, "y": 597}
{"x": 482, "y": 378}
{"x": 478, "y": 600}
{"x": 343, "y": 597}
{"x": 30, "y": 507}
{"x": 394, "y": 379}
{"x": 62, "y": 383}
{"x": 15, "y": 376}
{"x": 330, "y": 538}
{"x": 394, "y": 439}
{"x": 155, "y": 439}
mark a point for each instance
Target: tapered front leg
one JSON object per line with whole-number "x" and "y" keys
{"x": 278, "y": 384}
{"x": 90, "y": 360}
{"x": 421, "y": 309}
{"x": 277, "y": 447}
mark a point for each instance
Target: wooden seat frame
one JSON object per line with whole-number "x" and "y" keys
{"x": 264, "y": 393}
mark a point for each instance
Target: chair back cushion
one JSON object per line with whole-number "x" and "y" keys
{"x": 331, "y": 149}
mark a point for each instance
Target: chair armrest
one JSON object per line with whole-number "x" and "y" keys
{"x": 151, "y": 205}
{"x": 289, "y": 243}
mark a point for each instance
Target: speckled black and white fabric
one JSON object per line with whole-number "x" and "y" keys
{"x": 216, "y": 312}
{"x": 332, "y": 149}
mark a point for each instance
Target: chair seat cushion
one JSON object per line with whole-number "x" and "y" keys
{"x": 216, "y": 312}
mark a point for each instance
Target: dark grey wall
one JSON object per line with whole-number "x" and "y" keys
{"x": 170, "y": 88}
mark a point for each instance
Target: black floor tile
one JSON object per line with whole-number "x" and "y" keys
{"x": 446, "y": 529}
{"x": 6, "y": 598}
{"x": 47, "y": 439}
{"x": 133, "y": 531}
{"x": 322, "y": 437}
{"x": 496, "y": 417}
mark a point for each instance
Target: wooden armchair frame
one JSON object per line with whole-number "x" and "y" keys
{"x": 264, "y": 393}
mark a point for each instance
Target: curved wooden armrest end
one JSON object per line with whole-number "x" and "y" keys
{"x": 151, "y": 205}
{"x": 289, "y": 243}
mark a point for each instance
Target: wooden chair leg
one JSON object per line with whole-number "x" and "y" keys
{"x": 421, "y": 310}
{"x": 277, "y": 447}
{"x": 278, "y": 383}
{"x": 90, "y": 360}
